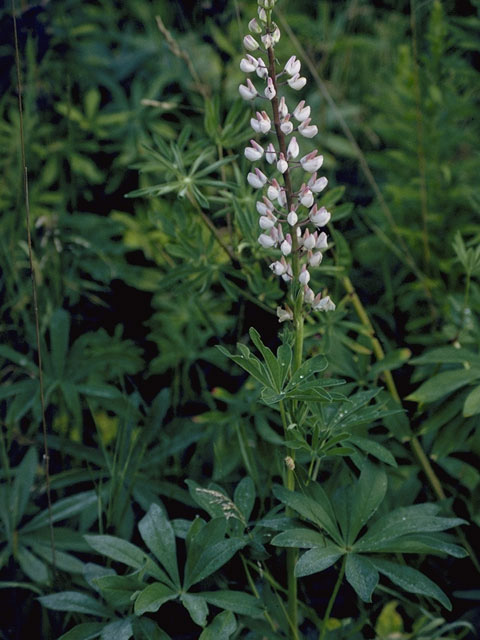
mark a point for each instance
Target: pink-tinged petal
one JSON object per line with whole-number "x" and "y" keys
{"x": 250, "y": 43}
{"x": 293, "y": 149}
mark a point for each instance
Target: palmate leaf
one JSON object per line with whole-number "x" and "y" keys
{"x": 158, "y": 535}
{"x": 316, "y": 510}
{"x": 83, "y": 631}
{"x": 443, "y": 384}
{"x": 362, "y": 575}
{"x": 317, "y": 559}
{"x": 153, "y": 597}
{"x": 221, "y": 628}
{"x": 411, "y": 580}
{"x": 126, "y": 553}
{"x": 75, "y": 601}
{"x": 419, "y": 518}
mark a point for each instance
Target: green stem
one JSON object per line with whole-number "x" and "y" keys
{"x": 331, "y": 602}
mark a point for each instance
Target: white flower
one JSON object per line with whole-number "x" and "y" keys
{"x": 286, "y": 126}
{"x": 286, "y": 246}
{"x": 267, "y": 41}
{"x": 293, "y": 66}
{"x": 301, "y": 112}
{"x": 311, "y": 162}
{"x": 321, "y": 242}
{"x": 282, "y": 197}
{"x": 284, "y": 314}
{"x": 263, "y": 207}
{"x": 273, "y": 190}
{"x": 308, "y": 130}
{"x": 317, "y": 185}
{"x": 314, "y": 259}
{"x": 262, "y": 71}
{"x": 248, "y": 64}
{"x": 293, "y": 149}
{"x": 248, "y": 92}
{"x": 308, "y": 295}
{"x": 270, "y": 91}
{"x": 276, "y": 34}
{"x": 250, "y": 43}
{"x": 254, "y": 27}
{"x": 266, "y": 241}
{"x": 296, "y": 82}
{"x": 268, "y": 221}
{"x": 304, "y": 277}
{"x": 308, "y": 240}
{"x": 321, "y": 217}
{"x": 306, "y": 197}
{"x": 262, "y": 123}
{"x": 282, "y": 108}
{"x": 323, "y": 304}
{"x": 289, "y": 275}
{"x": 279, "y": 267}
{"x": 282, "y": 164}
{"x": 292, "y": 218}
{"x": 255, "y": 152}
{"x": 262, "y": 14}
{"x": 270, "y": 154}
{"x": 257, "y": 180}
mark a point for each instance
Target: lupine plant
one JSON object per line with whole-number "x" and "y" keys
{"x": 312, "y": 508}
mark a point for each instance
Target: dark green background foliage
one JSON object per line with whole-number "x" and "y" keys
{"x": 166, "y": 452}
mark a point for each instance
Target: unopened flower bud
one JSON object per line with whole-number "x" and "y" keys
{"x": 282, "y": 108}
{"x": 314, "y": 259}
{"x": 308, "y": 240}
{"x": 296, "y": 82}
{"x": 250, "y": 43}
{"x": 276, "y": 35}
{"x": 293, "y": 149}
{"x": 322, "y": 242}
{"x": 306, "y": 197}
{"x": 270, "y": 92}
{"x": 262, "y": 14}
{"x": 286, "y": 246}
{"x": 292, "y": 218}
{"x": 304, "y": 277}
{"x": 308, "y": 295}
{"x": 282, "y": 164}
{"x": 254, "y": 27}
{"x": 286, "y": 126}
{"x": 290, "y": 463}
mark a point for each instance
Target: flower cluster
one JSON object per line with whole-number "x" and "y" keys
{"x": 290, "y": 219}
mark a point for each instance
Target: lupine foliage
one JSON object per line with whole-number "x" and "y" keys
{"x": 214, "y": 473}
